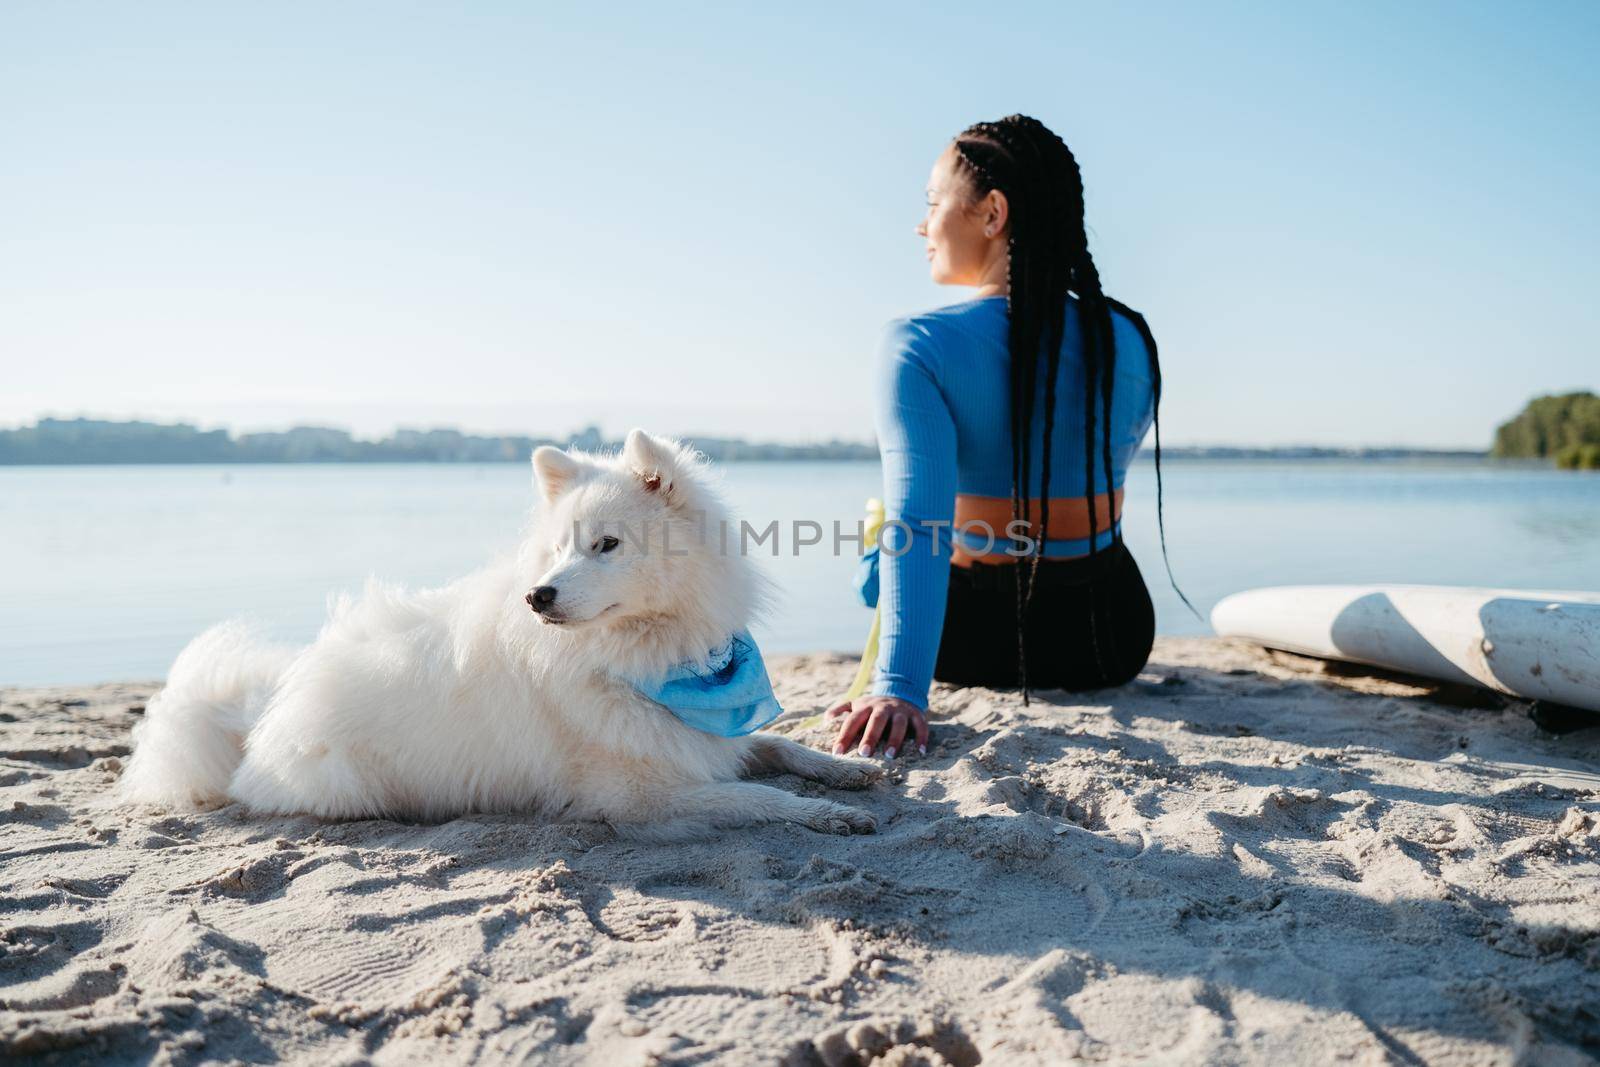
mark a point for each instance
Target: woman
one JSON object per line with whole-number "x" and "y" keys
{"x": 1006, "y": 425}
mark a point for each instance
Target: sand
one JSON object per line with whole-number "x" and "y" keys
{"x": 1242, "y": 857}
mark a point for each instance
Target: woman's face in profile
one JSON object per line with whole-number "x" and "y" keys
{"x": 954, "y": 227}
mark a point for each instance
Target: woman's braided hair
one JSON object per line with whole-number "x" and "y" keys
{"x": 1048, "y": 260}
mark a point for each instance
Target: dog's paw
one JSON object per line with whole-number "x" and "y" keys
{"x": 839, "y": 819}
{"x": 852, "y": 773}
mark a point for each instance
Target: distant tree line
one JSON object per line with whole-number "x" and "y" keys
{"x": 79, "y": 441}
{"x": 85, "y": 441}
{"x": 1564, "y": 428}
{"x": 1316, "y": 452}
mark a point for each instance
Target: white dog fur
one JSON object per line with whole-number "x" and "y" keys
{"x": 433, "y": 703}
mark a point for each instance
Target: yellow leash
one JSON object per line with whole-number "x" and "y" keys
{"x": 869, "y": 655}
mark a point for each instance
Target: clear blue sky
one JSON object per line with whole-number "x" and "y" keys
{"x": 1347, "y": 223}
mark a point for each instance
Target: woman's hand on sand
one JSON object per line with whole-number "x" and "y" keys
{"x": 875, "y": 719}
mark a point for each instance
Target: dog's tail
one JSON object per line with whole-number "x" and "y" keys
{"x": 192, "y": 737}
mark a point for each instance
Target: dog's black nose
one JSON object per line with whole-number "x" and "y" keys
{"x": 542, "y": 597}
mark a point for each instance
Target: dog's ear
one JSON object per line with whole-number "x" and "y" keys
{"x": 554, "y": 470}
{"x": 653, "y": 460}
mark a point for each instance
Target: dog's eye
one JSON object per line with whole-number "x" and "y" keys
{"x": 607, "y": 543}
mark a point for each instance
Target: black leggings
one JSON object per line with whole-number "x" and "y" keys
{"x": 1090, "y": 624}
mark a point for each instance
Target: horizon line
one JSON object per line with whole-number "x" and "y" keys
{"x": 593, "y": 429}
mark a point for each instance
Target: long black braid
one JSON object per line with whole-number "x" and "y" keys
{"x": 1155, "y": 414}
{"x": 1049, "y": 259}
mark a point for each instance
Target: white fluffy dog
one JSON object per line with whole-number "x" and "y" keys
{"x": 433, "y": 703}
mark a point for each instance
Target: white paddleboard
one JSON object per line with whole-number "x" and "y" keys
{"x": 1533, "y": 644}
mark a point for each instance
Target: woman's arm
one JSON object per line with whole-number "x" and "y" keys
{"x": 917, "y": 440}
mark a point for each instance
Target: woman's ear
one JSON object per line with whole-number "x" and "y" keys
{"x": 997, "y": 212}
{"x": 651, "y": 459}
{"x": 554, "y": 471}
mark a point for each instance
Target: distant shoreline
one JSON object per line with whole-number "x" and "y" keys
{"x": 801, "y": 454}
{"x": 1145, "y": 455}
{"x": 91, "y": 442}
{"x": 1212, "y": 452}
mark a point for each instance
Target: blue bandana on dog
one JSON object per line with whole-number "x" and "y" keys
{"x": 727, "y": 694}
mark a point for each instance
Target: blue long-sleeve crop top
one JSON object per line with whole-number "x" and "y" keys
{"x": 942, "y": 404}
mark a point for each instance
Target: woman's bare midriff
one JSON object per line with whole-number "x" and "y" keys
{"x": 1069, "y": 520}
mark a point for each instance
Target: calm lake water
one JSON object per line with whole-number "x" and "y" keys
{"x": 105, "y": 572}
